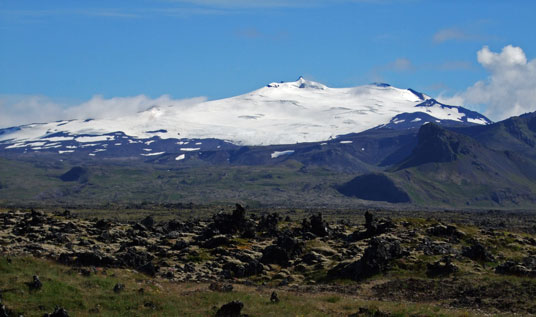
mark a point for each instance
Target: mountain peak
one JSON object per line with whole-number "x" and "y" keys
{"x": 301, "y": 82}
{"x": 281, "y": 113}
{"x": 384, "y": 85}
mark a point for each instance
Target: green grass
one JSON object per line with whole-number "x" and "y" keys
{"x": 136, "y": 182}
{"x": 83, "y": 296}
{"x": 133, "y": 182}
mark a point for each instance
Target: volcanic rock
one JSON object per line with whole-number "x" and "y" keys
{"x": 375, "y": 260}
{"x": 231, "y": 309}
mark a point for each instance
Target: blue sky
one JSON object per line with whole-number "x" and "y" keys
{"x": 70, "y": 51}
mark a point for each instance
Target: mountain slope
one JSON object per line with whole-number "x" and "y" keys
{"x": 280, "y": 113}
{"x": 452, "y": 168}
{"x": 516, "y": 134}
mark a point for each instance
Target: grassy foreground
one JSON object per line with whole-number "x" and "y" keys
{"x": 143, "y": 296}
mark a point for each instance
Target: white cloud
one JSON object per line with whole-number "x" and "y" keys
{"x": 510, "y": 88}
{"x": 17, "y": 110}
{"x": 27, "y": 109}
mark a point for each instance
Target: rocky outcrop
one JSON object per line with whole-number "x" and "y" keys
{"x": 216, "y": 249}
{"x": 282, "y": 251}
{"x": 477, "y": 252}
{"x": 442, "y": 268}
{"x": 376, "y": 259}
{"x": 527, "y": 267}
{"x": 235, "y": 223}
{"x": 373, "y": 227}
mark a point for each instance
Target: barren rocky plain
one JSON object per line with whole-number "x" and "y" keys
{"x": 239, "y": 261}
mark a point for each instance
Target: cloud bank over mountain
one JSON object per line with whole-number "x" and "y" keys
{"x": 510, "y": 88}
{"x": 18, "y": 110}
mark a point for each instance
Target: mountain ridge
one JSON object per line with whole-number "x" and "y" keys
{"x": 279, "y": 113}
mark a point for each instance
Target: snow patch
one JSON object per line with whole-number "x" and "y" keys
{"x": 477, "y": 121}
{"x": 37, "y": 143}
{"x": 152, "y": 154}
{"x": 66, "y": 151}
{"x": 52, "y": 146}
{"x": 346, "y": 142}
{"x": 16, "y": 145}
{"x": 277, "y": 154}
{"x": 180, "y": 157}
{"x": 190, "y": 149}
{"x": 292, "y": 112}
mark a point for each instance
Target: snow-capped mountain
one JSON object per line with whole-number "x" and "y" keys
{"x": 279, "y": 113}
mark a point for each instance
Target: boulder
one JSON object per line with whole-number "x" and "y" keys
{"x": 58, "y": 312}
{"x": 231, "y": 309}
{"x": 373, "y": 226}
{"x": 312, "y": 258}
{"x": 527, "y": 268}
{"x": 444, "y": 267}
{"x": 376, "y": 259}
{"x": 291, "y": 245}
{"x": 274, "y": 254}
{"x": 235, "y": 223}
{"x": 4, "y": 312}
{"x": 268, "y": 224}
{"x": 137, "y": 259}
{"x": 179, "y": 245}
{"x": 239, "y": 269}
{"x": 118, "y": 288}
{"x": 274, "y": 298}
{"x": 173, "y": 225}
{"x": 217, "y": 241}
{"x": 441, "y": 230}
{"x": 318, "y": 226}
{"x": 477, "y": 252}
{"x": 430, "y": 247}
{"x": 285, "y": 249}
{"x": 148, "y": 222}
{"x": 35, "y": 284}
{"x": 103, "y": 224}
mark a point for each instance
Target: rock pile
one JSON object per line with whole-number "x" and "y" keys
{"x": 238, "y": 246}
